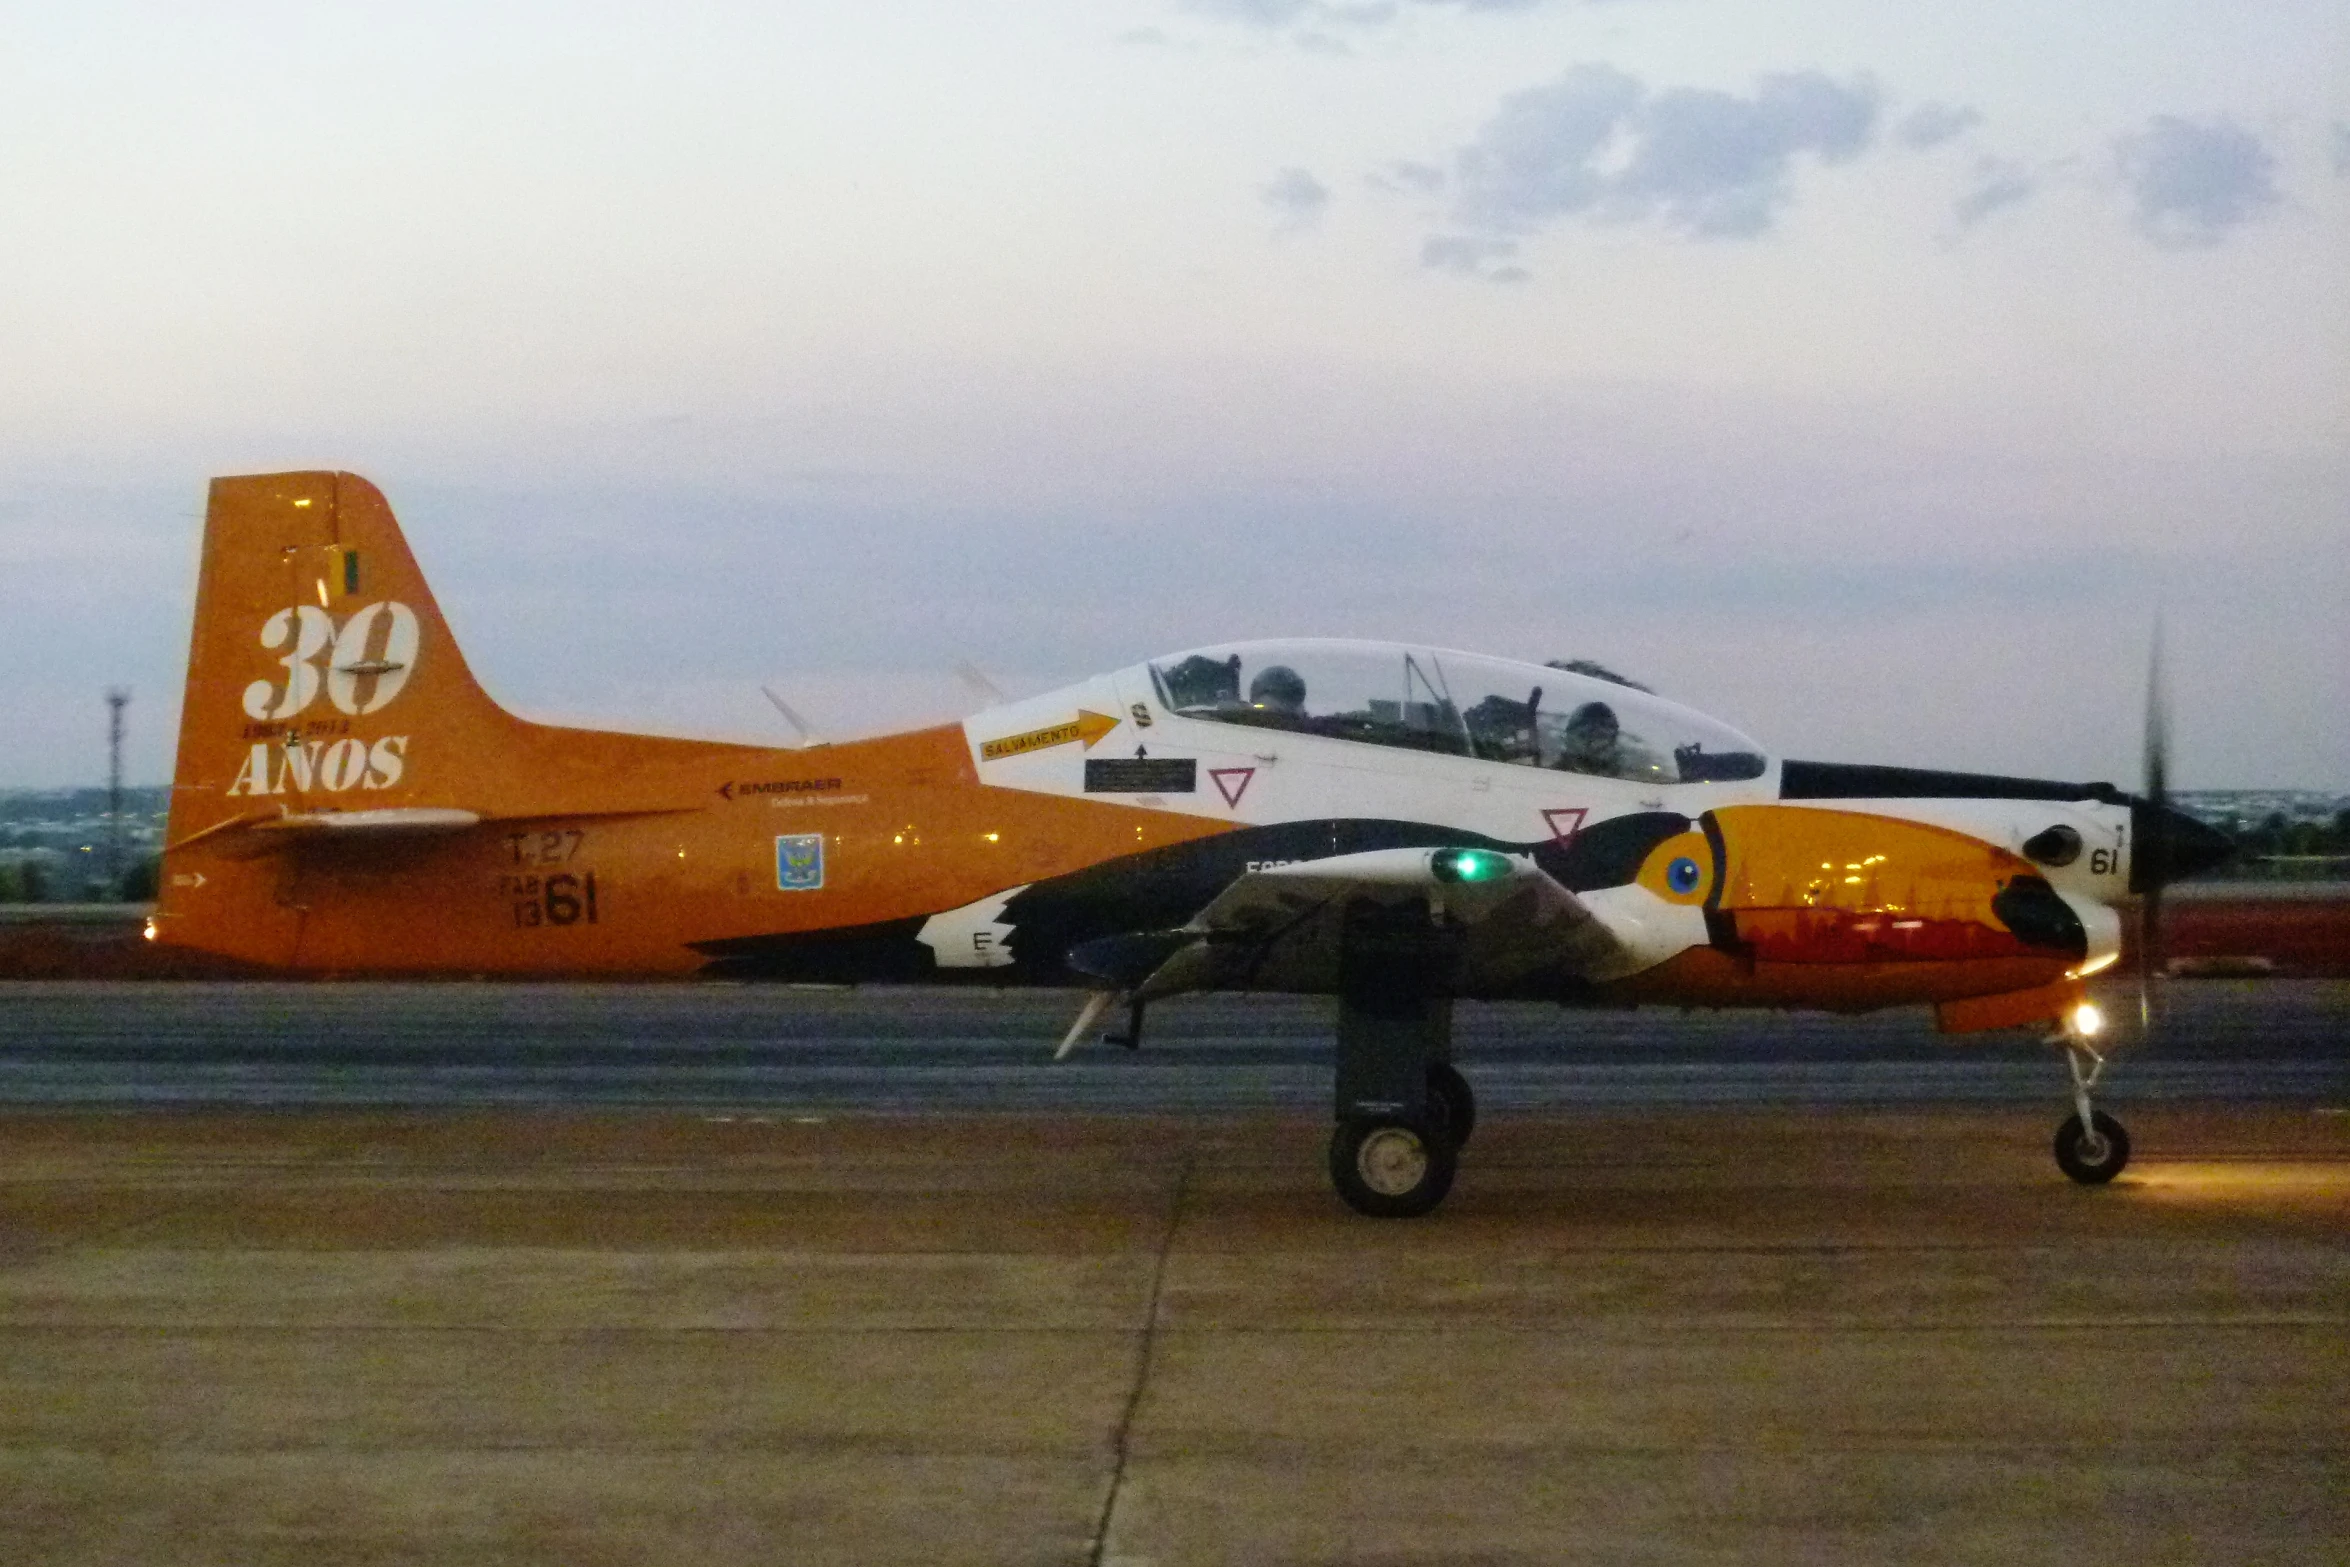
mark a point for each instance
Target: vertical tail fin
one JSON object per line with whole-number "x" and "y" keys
{"x": 321, "y": 678}
{"x": 320, "y": 674}
{"x": 332, "y": 735}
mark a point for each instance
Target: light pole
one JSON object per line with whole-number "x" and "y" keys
{"x": 117, "y": 698}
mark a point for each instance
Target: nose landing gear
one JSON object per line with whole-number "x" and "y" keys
{"x": 2091, "y": 1146}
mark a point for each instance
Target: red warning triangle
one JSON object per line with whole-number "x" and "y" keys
{"x": 1565, "y": 822}
{"x": 1232, "y": 782}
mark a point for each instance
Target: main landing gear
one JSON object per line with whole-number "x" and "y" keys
{"x": 2091, "y": 1146}
{"x": 1403, "y": 1111}
{"x": 1393, "y": 1164}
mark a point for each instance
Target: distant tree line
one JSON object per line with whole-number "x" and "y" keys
{"x": 2273, "y": 836}
{"x": 37, "y": 881}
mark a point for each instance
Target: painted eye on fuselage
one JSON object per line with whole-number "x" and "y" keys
{"x": 1680, "y": 869}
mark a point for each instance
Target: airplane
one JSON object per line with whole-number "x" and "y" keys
{"x": 1397, "y": 826}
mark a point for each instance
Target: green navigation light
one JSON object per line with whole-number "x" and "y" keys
{"x": 1456, "y": 865}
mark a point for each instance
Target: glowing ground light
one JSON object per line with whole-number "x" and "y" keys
{"x": 1456, "y": 865}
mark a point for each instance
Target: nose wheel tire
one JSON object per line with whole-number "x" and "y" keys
{"x": 1448, "y": 1090}
{"x": 1390, "y": 1167}
{"x": 2092, "y": 1154}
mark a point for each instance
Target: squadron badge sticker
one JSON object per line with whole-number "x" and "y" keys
{"x": 799, "y": 862}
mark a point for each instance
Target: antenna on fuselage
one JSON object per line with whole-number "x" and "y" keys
{"x": 979, "y": 684}
{"x": 808, "y": 735}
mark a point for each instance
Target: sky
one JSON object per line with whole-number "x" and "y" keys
{"x": 1872, "y": 377}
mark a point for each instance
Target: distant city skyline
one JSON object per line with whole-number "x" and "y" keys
{"x": 1868, "y": 378}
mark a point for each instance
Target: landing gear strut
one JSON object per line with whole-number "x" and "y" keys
{"x": 2091, "y": 1146}
{"x": 1449, "y": 1091}
{"x": 1403, "y": 1111}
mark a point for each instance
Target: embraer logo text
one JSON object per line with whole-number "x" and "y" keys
{"x": 299, "y": 767}
{"x": 779, "y": 786}
{"x": 367, "y": 660}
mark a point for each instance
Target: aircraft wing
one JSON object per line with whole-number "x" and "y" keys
{"x": 1281, "y": 927}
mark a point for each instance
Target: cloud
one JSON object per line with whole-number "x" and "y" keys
{"x": 1932, "y": 124}
{"x": 1275, "y": 14}
{"x": 1717, "y": 165}
{"x": 2341, "y": 149}
{"x": 1998, "y": 184}
{"x": 1537, "y": 158}
{"x": 1598, "y": 144}
{"x": 1296, "y": 195}
{"x": 2192, "y": 181}
{"x": 1465, "y": 254}
{"x": 1408, "y": 178}
{"x": 1331, "y": 44}
{"x": 1278, "y": 15}
{"x": 1256, "y": 13}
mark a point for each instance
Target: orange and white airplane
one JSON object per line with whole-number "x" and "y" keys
{"x": 1398, "y": 826}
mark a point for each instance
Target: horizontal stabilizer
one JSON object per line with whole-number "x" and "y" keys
{"x": 401, "y": 820}
{"x": 245, "y": 837}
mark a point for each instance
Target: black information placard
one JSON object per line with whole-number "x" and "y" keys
{"x": 1141, "y": 775}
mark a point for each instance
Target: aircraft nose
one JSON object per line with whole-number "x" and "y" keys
{"x": 2170, "y": 844}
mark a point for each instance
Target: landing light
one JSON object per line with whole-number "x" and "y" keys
{"x": 2087, "y": 1020}
{"x": 149, "y": 932}
{"x": 1451, "y": 865}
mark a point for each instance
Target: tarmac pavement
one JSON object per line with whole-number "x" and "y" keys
{"x": 781, "y": 1048}
{"x": 1798, "y": 1334}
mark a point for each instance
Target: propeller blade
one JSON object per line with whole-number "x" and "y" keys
{"x": 2145, "y": 971}
{"x": 2154, "y": 832}
{"x": 2166, "y": 844}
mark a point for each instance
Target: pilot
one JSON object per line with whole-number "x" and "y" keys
{"x": 1278, "y": 689}
{"x": 1593, "y": 741}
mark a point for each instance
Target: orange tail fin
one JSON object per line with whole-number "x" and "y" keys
{"x": 327, "y": 701}
{"x": 320, "y": 675}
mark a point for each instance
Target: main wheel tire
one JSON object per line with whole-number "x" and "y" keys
{"x": 1450, "y": 1091}
{"x": 2093, "y": 1154}
{"x": 1390, "y": 1167}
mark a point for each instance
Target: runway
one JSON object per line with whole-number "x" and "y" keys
{"x": 538, "y": 1275}
{"x": 490, "y": 1339}
{"x": 888, "y": 1049}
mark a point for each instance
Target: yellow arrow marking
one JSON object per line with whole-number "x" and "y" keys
{"x": 1086, "y": 726}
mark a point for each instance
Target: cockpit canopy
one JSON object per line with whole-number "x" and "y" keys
{"x": 1457, "y": 704}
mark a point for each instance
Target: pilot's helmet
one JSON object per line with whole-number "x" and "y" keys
{"x": 1594, "y": 723}
{"x": 1279, "y": 687}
